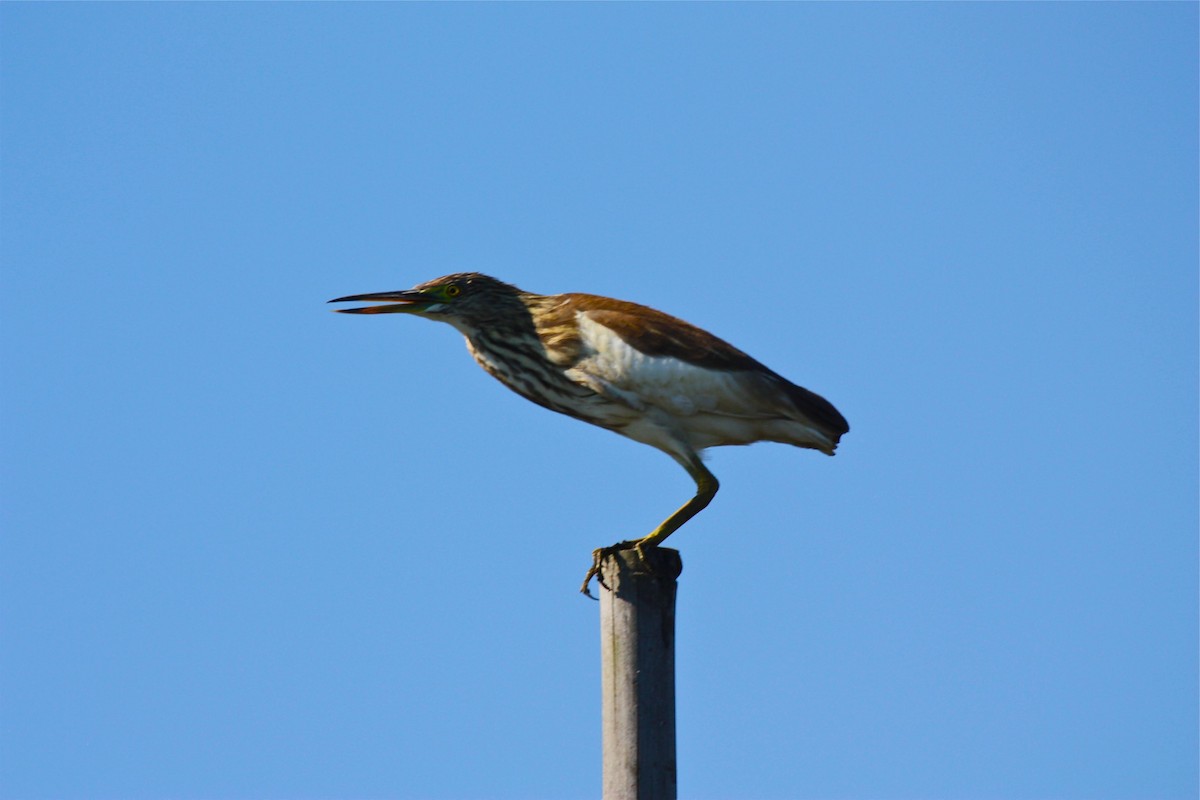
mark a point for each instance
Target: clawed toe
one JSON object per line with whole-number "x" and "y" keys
{"x": 600, "y": 553}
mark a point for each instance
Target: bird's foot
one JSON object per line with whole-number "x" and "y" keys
{"x": 600, "y": 553}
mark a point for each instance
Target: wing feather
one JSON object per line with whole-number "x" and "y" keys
{"x": 678, "y": 366}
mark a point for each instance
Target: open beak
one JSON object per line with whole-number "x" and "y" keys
{"x": 407, "y": 301}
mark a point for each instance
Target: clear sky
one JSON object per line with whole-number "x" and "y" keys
{"x": 253, "y": 549}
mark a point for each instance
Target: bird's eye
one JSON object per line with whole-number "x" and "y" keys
{"x": 453, "y": 290}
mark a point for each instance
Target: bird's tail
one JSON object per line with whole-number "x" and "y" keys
{"x": 824, "y": 423}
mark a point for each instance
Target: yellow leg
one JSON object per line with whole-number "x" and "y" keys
{"x": 706, "y": 489}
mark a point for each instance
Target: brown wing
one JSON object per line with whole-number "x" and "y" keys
{"x": 657, "y": 334}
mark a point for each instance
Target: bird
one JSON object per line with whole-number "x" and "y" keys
{"x": 626, "y": 367}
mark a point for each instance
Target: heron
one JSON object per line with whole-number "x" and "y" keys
{"x": 626, "y": 367}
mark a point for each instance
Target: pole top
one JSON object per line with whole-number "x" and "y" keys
{"x": 660, "y": 565}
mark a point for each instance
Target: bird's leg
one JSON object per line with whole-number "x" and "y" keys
{"x": 706, "y": 489}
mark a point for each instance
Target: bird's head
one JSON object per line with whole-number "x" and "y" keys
{"x": 465, "y": 300}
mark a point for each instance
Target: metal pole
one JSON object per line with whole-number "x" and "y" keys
{"x": 637, "y": 674}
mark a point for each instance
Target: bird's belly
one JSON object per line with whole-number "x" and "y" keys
{"x": 713, "y": 430}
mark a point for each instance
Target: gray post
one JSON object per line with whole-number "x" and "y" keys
{"x": 637, "y": 674}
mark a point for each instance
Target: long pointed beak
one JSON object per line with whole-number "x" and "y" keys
{"x": 406, "y": 301}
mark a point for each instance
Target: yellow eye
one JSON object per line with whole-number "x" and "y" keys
{"x": 453, "y": 290}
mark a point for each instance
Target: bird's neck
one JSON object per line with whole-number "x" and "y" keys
{"x": 515, "y": 350}
{"x": 507, "y": 337}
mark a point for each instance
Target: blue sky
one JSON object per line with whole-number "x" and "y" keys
{"x": 254, "y": 549}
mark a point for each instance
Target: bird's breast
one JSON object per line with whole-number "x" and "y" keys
{"x": 523, "y": 367}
